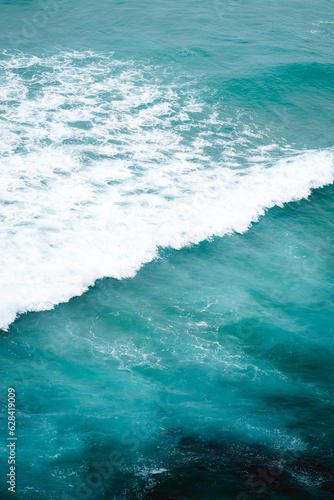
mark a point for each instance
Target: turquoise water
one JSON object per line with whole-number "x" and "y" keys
{"x": 166, "y": 208}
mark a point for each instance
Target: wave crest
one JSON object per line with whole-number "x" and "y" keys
{"x": 103, "y": 163}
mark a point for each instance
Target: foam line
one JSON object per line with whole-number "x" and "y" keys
{"x": 97, "y": 172}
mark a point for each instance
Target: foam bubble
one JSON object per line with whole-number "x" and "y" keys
{"x": 102, "y": 163}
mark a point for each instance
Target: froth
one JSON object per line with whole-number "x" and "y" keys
{"x": 102, "y": 164}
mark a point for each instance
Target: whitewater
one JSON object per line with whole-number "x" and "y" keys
{"x": 105, "y": 161}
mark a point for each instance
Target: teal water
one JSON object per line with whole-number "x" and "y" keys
{"x": 166, "y": 208}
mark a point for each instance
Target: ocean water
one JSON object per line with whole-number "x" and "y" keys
{"x": 167, "y": 259}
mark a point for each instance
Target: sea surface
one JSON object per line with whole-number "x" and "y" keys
{"x": 166, "y": 244}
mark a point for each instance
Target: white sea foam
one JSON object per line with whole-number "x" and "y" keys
{"x": 102, "y": 163}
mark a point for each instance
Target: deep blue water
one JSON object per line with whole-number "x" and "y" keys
{"x": 167, "y": 278}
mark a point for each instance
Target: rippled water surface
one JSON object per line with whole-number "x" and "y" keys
{"x": 166, "y": 219}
